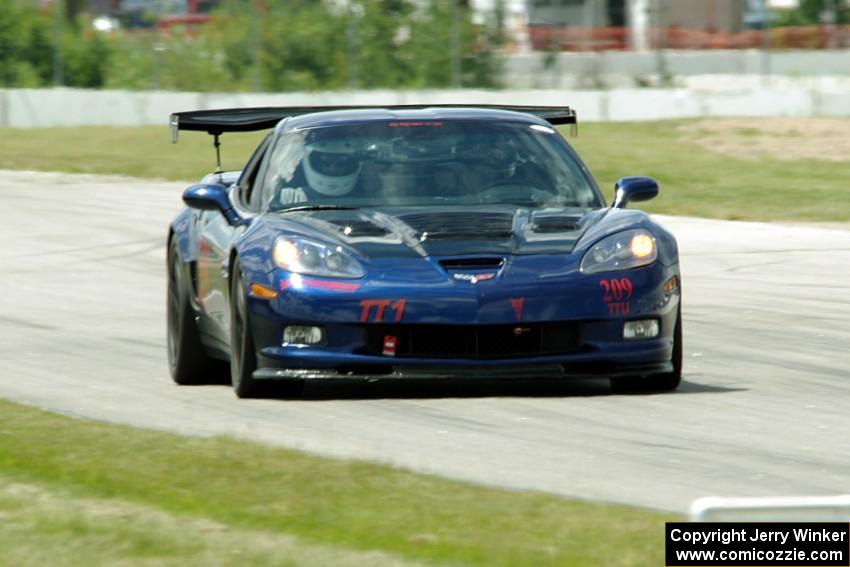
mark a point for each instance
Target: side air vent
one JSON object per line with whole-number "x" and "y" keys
{"x": 460, "y": 263}
{"x": 554, "y": 224}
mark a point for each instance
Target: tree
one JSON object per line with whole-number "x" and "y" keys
{"x": 430, "y": 48}
{"x": 809, "y": 13}
{"x": 26, "y": 46}
{"x": 292, "y": 45}
{"x": 377, "y": 43}
{"x": 86, "y": 59}
{"x": 73, "y": 10}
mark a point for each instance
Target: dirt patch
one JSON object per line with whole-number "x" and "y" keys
{"x": 825, "y": 139}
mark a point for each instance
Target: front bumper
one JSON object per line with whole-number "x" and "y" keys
{"x": 589, "y": 356}
{"x": 561, "y": 330}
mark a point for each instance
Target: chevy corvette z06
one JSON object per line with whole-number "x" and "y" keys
{"x": 417, "y": 242}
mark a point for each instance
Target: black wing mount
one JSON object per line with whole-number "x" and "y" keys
{"x": 217, "y": 122}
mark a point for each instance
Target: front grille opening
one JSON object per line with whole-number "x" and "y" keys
{"x": 459, "y": 263}
{"x": 475, "y": 341}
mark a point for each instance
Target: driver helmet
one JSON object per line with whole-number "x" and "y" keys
{"x": 331, "y": 167}
{"x": 497, "y": 157}
{"x": 503, "y": 159}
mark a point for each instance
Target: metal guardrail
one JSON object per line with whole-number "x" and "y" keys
{"x": 772, "y": 509}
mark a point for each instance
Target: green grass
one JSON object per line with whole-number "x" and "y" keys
{"x": 77, "y": 492}
{"x": 698, "y": 182}
{"x": 695, "y": 181}
{"x": 141, "y": 152}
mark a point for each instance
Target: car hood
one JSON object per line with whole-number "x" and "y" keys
{"x": 411, "y": 232}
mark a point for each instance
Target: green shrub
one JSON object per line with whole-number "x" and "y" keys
{"x": 297, "y": 45}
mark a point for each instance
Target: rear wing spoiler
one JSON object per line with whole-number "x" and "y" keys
{"x": 217, "y": 122}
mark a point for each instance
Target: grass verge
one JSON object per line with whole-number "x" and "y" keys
{"x": 144, "y": 151}
{"x": 78, "y": 492}
{"x": 703, "y": 171}
{"x": 699, "y": 181}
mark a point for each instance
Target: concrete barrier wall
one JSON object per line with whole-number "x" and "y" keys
{"x": 39, "y": 108}
{"x": 629, "y": 68}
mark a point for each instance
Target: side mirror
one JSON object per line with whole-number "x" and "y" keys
{"x": 212, "y": 197}
{"x": 629, "y": 189}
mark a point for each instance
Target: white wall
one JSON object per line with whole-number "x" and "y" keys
{"x": 39, "y": 108}
{"x": 627, "y": 68}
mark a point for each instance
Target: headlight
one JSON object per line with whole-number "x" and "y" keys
{"x": 301, "y": 256}
{"x": 621, "y": 251}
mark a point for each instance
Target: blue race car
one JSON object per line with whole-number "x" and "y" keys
{"x": 417, "y": 242}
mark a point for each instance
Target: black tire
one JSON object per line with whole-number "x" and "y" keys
{"x": 666, "y": 382}
{"x": 187, "y": 360}
{"x": 243, "y": 355}
{"x": 670, "y": 381}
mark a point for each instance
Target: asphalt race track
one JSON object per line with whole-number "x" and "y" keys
{"x": 762, "y": 410}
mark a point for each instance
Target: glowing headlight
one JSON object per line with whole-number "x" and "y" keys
{"x": 642, "y": 246}
{"x": 301, "y": 256}
{"x": 621, "y": 251}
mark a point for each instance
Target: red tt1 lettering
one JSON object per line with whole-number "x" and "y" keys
{"x": 379, "y": 306}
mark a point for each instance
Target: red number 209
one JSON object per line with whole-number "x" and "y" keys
{"x": 617, "y": 289}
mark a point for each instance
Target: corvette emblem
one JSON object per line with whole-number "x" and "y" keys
{"x": 474, "y": 278}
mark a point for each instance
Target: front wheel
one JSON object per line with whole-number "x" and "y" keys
{"x": 187, "y": 360}
{"x": 243, "y": 356}
{"x": 666, "y": 382}
{"x": 671, "y": 380}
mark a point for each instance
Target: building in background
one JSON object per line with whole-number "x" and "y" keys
{"x": 515, "y": 20}
{"x": 713, "y": 16}
{"x": 604, "y": 13}
{"x": 576, "y": 25}
{"x": 628, "y": 24}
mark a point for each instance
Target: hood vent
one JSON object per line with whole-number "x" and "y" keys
{"x": 460, "y": 226}
{"x": 359, "y": 228}
{"x": 465, "y": 263}
{"x": 553, "y": 224}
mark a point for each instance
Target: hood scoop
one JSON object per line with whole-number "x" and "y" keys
{"x": 552, "y": 224}
{"x": 460, "y": 226}
{"x": 357, "y": 228}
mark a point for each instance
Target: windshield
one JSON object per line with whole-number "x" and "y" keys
{"x": 426, "y": 163}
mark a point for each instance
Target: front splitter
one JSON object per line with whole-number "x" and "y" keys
{"x": 549, "y": 371}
